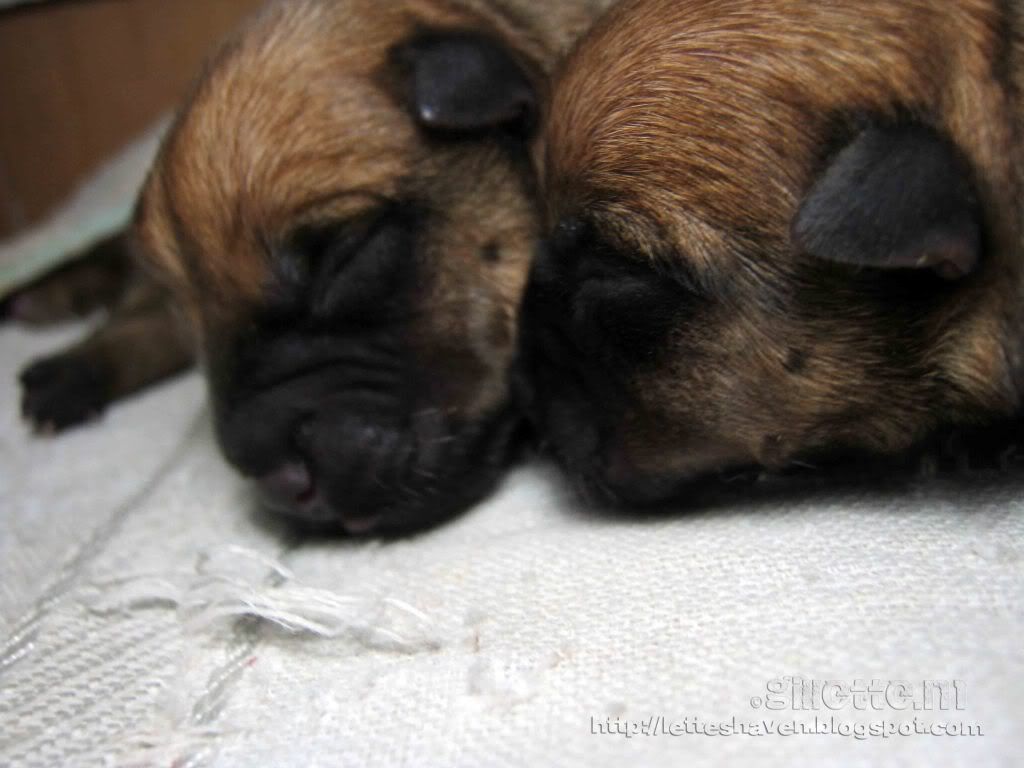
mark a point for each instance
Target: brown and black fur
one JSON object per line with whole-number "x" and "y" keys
{"x": 778, "y": 229}
{"x": 139, "y": 343}
{"x": 344, "y": 213}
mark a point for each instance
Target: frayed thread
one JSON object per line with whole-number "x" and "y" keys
{"x": 232, "y": 582}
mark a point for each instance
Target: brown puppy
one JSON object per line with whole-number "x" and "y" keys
{"x": 345, "y": 211}
{"x": 781, "y": 228}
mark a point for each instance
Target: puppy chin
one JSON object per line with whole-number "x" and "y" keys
{"x": 611, "y": 479}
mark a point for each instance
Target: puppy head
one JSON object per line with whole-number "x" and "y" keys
{"x": 778, "y": 229}
{"x": 344, "y": 209}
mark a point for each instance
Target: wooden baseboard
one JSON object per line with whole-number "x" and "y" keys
{"x": 79, "y": 79}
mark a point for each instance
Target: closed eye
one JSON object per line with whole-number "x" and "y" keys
{"x": 343, "y": 269}
{"x": 361, "y": 268}
{"x": 627, "y": 316}
{"x": 617, "y": 308}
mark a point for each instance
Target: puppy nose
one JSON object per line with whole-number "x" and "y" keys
{"x": 287, "y": 488}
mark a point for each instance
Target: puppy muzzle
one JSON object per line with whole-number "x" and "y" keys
{"x": 361, "y": 462}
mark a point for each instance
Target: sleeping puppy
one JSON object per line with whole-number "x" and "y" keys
{"x": 780, "y": 230}
{"x": 344, "y": 212}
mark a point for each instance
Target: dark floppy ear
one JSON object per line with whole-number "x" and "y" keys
{"x": 894, "y": 198}
{"x": 462, "y": 81}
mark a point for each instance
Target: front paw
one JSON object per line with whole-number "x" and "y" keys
{"x": 63, "y": 391}
{"x": 40, "y": 306}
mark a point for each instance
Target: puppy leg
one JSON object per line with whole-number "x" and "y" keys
{"x": 142, "y": 343}
{"x": 95, "y": 280}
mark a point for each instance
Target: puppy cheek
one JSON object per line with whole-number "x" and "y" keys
{"x": 651, "y": 454}
{"x": 451, "y": 377}
{"x": 465, "y": 355}
{"x": 188, "y": 315}
{"x": 493, "y": 338}
{"x": 675, "y": 421}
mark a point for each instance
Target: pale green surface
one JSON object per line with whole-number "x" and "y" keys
{"x": 33, "y": 263}
{"x": 101, "y": 206}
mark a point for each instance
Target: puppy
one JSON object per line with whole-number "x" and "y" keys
{"x": 344, "y": 212}
{"x": 779, "y": 230}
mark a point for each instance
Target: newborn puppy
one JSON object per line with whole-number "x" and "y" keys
{"x": 345, "y": 210}
{"x": 780, "y": 229}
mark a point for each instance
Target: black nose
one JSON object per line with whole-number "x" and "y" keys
{"x": 344, "y": 464}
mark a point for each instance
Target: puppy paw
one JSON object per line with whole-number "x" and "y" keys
{"x": 61, "y": 392}
{"x": 39, "y": 307}
{"x": 92, "y": 282}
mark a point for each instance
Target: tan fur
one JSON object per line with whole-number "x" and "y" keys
{"x": 296, "y": 121}
{"x": 692, "y": 130}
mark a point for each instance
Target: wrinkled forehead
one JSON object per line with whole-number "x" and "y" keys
{"x": 294, "y": 121}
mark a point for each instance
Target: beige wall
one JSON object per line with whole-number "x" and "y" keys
{"x": 79, "y": 78}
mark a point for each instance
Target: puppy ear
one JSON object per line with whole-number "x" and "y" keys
{"x": 894, "y": 198}
{"x": 462, "y": 82}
